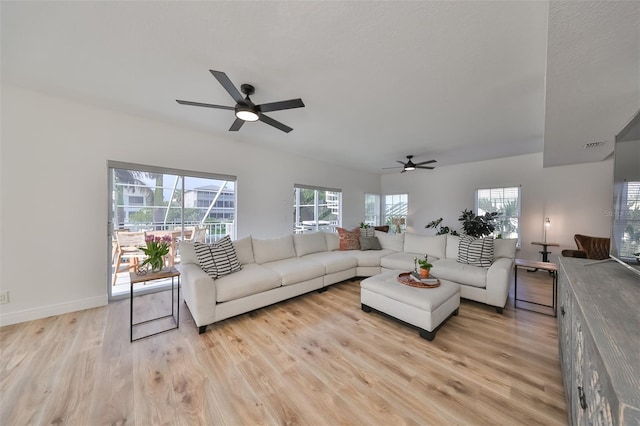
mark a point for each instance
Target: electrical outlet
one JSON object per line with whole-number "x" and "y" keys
{"x": 4, "y": 297}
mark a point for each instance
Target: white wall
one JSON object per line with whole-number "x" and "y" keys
{"x": 54, "y": 200}
{"x": 576, "y": 198}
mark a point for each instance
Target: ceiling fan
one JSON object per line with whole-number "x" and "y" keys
{"x": 245, "y": 109}
{"x": 410, "y": 165}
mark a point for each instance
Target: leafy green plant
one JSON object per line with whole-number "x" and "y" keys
{"x": 478, "y": 226}
{"x": 424, "y": 263}
{"x": 440, "y": 230}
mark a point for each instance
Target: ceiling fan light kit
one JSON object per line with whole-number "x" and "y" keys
{"x": 246, "y": 113}
{"x": 410, "y": 165}
{"x": 245, "y": 109}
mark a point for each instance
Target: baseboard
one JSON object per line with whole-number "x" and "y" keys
{"x": 52, "y": 310}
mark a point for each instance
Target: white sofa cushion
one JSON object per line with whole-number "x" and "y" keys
{"x": 504, "y": 247}
{"x": 401, "y": 261}
{"x": 272, "y": 249}
{"x": 424, "y": 244}
{"x": 333, "y": 240}
{"x": 295, "y": 270}
{"x": 309, "y": 243}
{"x": 393, "y": 242}
{"x": 252, "y": 279}
{"x": 187, "y": 252}
{"x": 475, "y": 251}
{"x": 452, "y": 270}
{"x": 244, "y": 250}
{"x": 370, "y": 257}
{"x": 452, "y": 246}
{"x": 333, "y": 261}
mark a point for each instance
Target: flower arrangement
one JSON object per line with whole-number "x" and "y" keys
{"x": 157, "y": 248}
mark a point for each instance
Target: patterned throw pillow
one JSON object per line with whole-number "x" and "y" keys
{"x": 367, "y": 232}
{"x": 370, "y": 243}
{"x": 218, "y": 259}
{"x": 475, "y": 251}
{"x": 349, "y": 239}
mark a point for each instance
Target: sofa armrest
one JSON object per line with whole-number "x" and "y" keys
{"x": 498, "y": 281}
{"x": 199, "y": 291}
{"x": 574, "y": 253}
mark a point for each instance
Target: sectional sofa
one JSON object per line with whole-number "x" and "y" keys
{"x": 280, "y": 268}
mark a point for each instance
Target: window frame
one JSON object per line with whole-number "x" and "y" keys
{"x": 397, "y": 221}
{"x": 299, "y": 226}
{"x": 518, "y": 207}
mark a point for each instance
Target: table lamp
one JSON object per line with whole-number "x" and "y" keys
{"x": 547, "y": 224}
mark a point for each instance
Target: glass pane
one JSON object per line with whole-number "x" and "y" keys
{"x": 316, "y": 210}
{"x": 151, "y": 203}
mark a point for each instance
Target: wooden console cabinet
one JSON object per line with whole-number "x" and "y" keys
{"x": 599, "y": 338}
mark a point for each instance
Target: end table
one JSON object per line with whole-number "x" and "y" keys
{"x": 170, "y": 272}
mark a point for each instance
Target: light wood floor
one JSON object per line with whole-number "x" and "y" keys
{"x": 315, "y": 360}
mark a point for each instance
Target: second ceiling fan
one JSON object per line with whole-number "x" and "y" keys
{"x": 245, "y": 109}
{"x": 410, "y": 165}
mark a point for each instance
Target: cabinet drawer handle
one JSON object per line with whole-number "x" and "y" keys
{"x": 562, "y": 310}
{"x": 583, "y": 400}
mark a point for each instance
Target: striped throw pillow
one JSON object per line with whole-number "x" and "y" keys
{"x": 218, "y": 259}
{"x": 475, "y": 251}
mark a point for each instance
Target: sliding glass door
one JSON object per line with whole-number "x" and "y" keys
{"x": 151, "y": 201}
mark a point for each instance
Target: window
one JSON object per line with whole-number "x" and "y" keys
{"x": 505, "y": 201}
{"x": 372, "y": 209}
{"x": 161, "y": 201}
{"x": 396, "y": 208}
{"x": 316, "y": 209}
{"x": 626, "y": 229}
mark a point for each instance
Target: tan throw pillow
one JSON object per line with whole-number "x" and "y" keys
{"x": 349, "y": 239}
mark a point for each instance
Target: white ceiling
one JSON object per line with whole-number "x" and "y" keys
{"x": 454, "y": 81}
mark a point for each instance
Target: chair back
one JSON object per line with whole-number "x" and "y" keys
{"x": 199, "y": 235}
{"x": 130, "y": 239}
{"x": 595, "y": 247}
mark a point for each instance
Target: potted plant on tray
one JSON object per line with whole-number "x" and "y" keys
{"x": 425, "y": 267}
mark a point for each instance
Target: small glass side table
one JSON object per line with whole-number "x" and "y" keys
{"x": 170, "y": 272}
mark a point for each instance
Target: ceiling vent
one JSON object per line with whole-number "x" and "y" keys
{"x": 593, "y": 144}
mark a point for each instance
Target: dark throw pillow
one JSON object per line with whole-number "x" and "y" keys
{"x": 370, "y": 243}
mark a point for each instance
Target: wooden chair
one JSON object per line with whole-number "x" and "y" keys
{"x": 589, "y": 247}
{"x": 128, "y": 248}
{"x": 199, "y": 235}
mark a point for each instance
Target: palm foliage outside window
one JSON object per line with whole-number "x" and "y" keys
{"x": 505, "y": 201}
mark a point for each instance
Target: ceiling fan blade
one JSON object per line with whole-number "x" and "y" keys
{"x": 228, "y": 85}
{"x": 424, "y": 167}
{"x": 277, "y": 106}
{"x": 396, "y": 167}
{"x": 200, "y": 104}
{"x": 278, "y": 125}
{"x": 403, "y": 171}
{"x": 401, "y": 162}
{"x": 236, "y": 125}
{"x": 426, "y": 162}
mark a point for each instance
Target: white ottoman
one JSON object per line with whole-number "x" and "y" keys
{"x": 425, "y": 308}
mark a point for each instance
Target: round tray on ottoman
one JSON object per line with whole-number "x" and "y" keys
{"x": 405, "y": 278}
